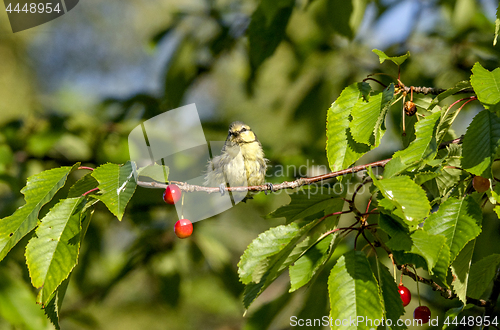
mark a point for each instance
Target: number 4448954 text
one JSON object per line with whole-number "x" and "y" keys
{"x": 472, "y": 321}
{"x": 34, "y": 8}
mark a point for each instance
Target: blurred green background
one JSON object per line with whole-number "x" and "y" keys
{"x": 73, "y": 89}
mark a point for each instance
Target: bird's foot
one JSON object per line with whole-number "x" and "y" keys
{"x": 222, "y": 189}
{"x": 269, "y": 186}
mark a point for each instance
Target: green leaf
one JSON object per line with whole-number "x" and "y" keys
{"x": 460, "y": 269}
{"x": 448, "y": 177}
{"x": 267, "y": 29}
{"x": 341, "y": 149}
{"x": 453, "y": 312}
{"x": 83, "y": 185}
{"x": 391, "y": 226}
{"x": 481, "y": 142}
{"x": 354, "y": 291}
{"x": 486, "y": 84}
{"x": 404, "y": 194}
{"x": 116, "y": 185}
{"x": 440, "y": 270}
{"x": 335, "y": 14}
{"x": 315, "y": 301}
{"x": 430, "y": 247}
{"x": 156, "y": 172}
{"x": 316, "y": 249}
{"x": 341, "y": 12}
{"x": 182, "y": 71}
{"x": 53, "y": 306}
{"x": 402, "y": 257}
{"x": 53, "y": 252}
{"x": 264, "y": 316}
{"x": 398, "y": 60}
{"x": 494, "y": 194}
{"x": 38, "y": 191}
{"x": 394, "y": 167}
{"x": 423, "y": 177}
{"x": 368, "y": 117}
{"x": 445, "y": 122}
{"x": 276, "y": 249}
{"x": 266, "y": 257}
{"x": 481, "y": 275}
{"x": 458, "y": 220}
{"x": 424, "y": 147}
{"x": 393, "y": 305}
{"x": 409, "y": 135}
{"x": 303, "y": 205}
{"x": 462, "y": 85}
{"x": 271, "y": 8}
{"x": 387, "y": 207}
{"x": 303, "y": 270}
{"x": 396, "y": 229}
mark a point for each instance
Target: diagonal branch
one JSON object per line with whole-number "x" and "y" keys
{"x": 435, "y": 91}
{"x": 284, "y": 185}
{"x": 446, "y": 293}
{"x": 184, "y": 186}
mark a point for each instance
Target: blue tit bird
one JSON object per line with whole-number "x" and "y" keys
{"x": 241, "y": 162}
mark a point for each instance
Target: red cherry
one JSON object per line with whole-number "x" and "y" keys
{"x": 480, "y": 184}
{"x": 405, "y": 294}
{"x": 422, "y": 313}
{"x": 172, "y": 194}
{"x": 183, "y": 228}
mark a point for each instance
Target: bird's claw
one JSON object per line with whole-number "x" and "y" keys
{"x": 222, "y": 189}
{"x": 270, "y": 187}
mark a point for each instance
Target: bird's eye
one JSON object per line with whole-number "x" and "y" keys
{"x": 244, "y": 129}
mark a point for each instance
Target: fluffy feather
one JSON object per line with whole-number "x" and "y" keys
{"x": 241, "y": 162}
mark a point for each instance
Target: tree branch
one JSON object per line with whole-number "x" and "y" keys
{"x": 184, "y": 186}
{"x": 284, "y": 185}
{"x": 446, "y": 293}
{"x": 435, "y": 91}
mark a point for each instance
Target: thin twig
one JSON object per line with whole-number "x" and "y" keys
{"x": 284, "y": 185}
{"x": 85, "y": 168}
{"x": 184, "y": 186}
{"x": 446, "y": 293}
{"x": 435, "y": 91}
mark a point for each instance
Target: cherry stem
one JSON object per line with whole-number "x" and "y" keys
{"x": 322, "y": 237}
{"x": 418, "y": 291}
{"x": 469, "y": 99}
{"x": 358, "y": 188}
{"x": 393, "y": 266}
{"x": 375, "y": 80}
{"x": 90, "y": 191}
{"x": 182, "y": 207}
{"x": 333, "y": 214}
{"x": 368, "y": 205}
{"x": 366, "y": 238}
{"x": 85, "y": 168}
